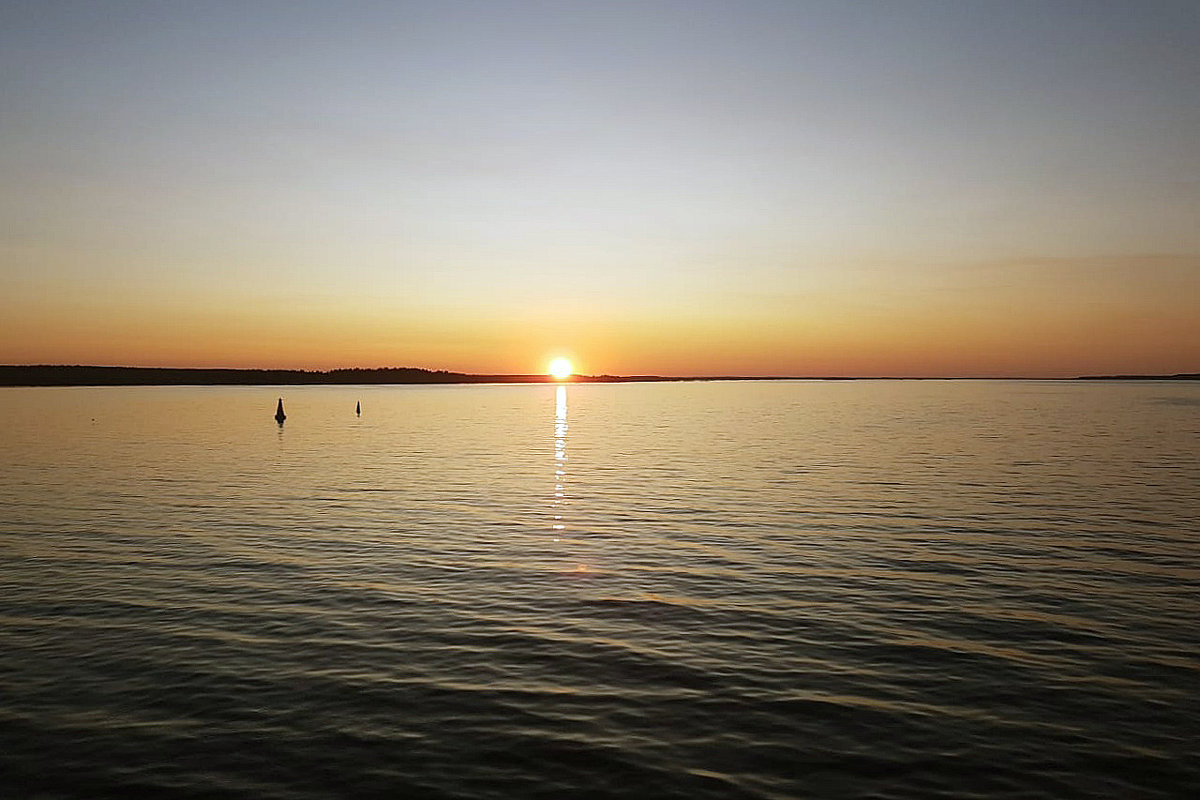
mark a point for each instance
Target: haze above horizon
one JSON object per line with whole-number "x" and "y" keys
{"x": 670, "y": 188}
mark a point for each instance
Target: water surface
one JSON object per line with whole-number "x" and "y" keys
{"x": 716, "y": 590}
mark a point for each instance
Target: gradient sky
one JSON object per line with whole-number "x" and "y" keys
{"x": 801, "y": 188}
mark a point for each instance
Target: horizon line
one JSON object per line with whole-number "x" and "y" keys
{"x": 30, "y": 375}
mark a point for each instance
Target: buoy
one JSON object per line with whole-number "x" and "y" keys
{"x": 358, "y": 409}
{"x": 279, "y": 415}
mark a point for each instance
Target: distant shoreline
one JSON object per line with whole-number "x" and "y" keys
{"x": 77, "y": 375}
{"x": 1181, "y": 376}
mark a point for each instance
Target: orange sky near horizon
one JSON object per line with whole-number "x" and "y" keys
{"x": 917, "y": 189}
{"x": 1069, "y": 327}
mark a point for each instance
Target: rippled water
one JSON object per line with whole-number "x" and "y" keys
{"x": 719, "y": 590}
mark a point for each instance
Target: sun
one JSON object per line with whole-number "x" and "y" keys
{"x": 561, "y": 369}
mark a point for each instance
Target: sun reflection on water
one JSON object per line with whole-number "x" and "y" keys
{"x": 560, "y": 455}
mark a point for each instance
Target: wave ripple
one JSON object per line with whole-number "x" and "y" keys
{"x": 758, "y": 590}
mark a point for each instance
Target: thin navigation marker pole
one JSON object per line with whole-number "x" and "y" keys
{"x": 279, "y": 415}
{"x": 358, "y": 409}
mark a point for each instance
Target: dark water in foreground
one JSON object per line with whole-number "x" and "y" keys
{"x": 758, "y": 590}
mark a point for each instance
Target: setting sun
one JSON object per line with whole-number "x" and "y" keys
{"x": 561, "y": 368}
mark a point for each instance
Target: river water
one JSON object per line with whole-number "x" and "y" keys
{"x": 883, "y": 589}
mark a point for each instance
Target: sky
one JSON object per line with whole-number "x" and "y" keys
{"x": 896, "y": 188}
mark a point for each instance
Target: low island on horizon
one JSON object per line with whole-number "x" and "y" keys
{"x": 81, "y": 375}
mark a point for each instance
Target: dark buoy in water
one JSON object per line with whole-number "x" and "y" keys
{"x": 279, "y": 415}
{"x": 358, "y": 409}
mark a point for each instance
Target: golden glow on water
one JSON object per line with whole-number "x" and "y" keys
{"x": 560, "y": 454}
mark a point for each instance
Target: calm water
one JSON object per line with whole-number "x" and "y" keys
{"x": 723, "y": 590}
